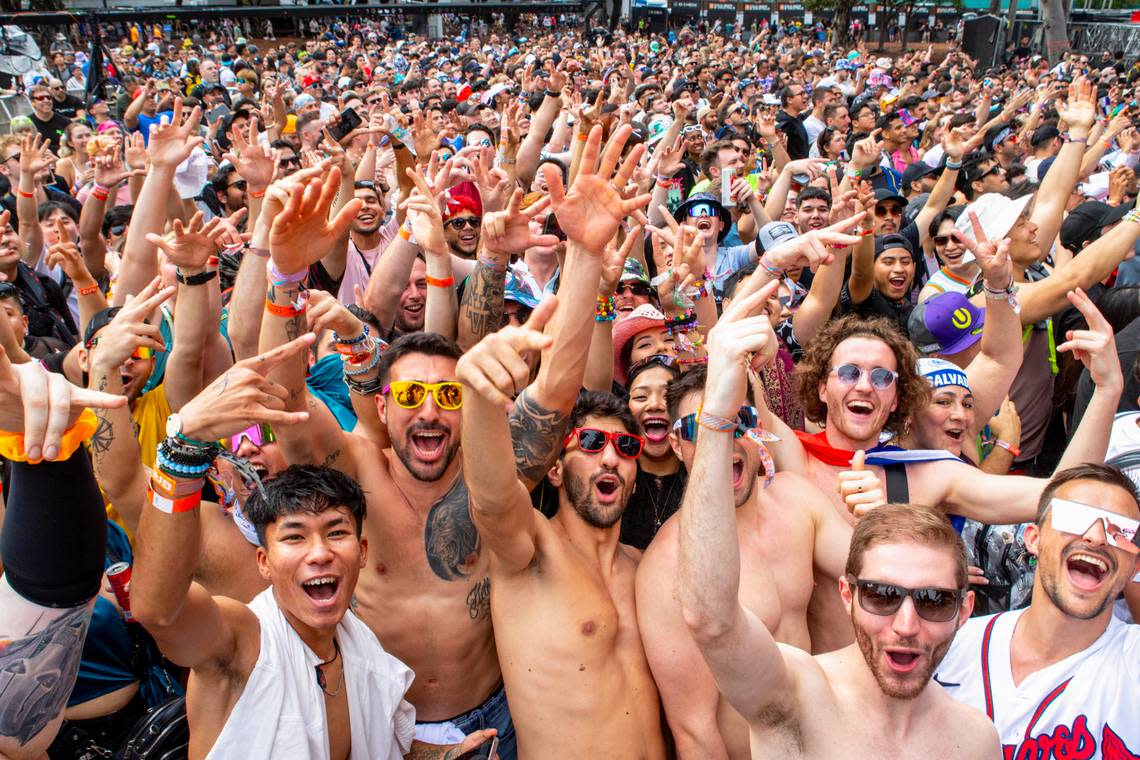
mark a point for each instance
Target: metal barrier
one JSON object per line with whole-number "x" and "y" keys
{"x": 12, "y": 106}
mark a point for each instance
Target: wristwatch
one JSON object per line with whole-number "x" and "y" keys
{"x": 173, "y": 426}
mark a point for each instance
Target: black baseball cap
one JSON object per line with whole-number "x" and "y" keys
{"x": 1085, "y": 222}
{"x": 915, "y": 172}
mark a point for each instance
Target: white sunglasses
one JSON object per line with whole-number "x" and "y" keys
{"x": 1075, "y": 518}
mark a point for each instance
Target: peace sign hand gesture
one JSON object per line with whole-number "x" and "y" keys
{"x": 992, "y": 257}
{"x": 1095, "y": 346}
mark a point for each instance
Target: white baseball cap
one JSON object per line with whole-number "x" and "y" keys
{"x": 996, "y": 213}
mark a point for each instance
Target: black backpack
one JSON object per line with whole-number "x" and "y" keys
{"x": 163, "y": 733}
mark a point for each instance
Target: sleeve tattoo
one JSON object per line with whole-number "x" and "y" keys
{"x": 38, "y": 672}
{"x": 483, "y": 300}
{"x": 535, "y": 433}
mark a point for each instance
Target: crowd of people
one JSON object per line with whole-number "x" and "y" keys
{"x": 554, "y": 394}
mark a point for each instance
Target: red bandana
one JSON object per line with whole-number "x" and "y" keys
{"x": 818, "y": 447}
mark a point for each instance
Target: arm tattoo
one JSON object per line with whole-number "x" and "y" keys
{"x": 294, "y": 327}
{"x": 535, "y": 432}
{"x": 38, "y": 672}
{"x": 450, "y": 540}
{"x": 483, "y": 300}
{"x": 104, "y": 435}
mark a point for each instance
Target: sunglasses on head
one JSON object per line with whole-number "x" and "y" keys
{"x": 936, "y": 605}
{"x": 259, "y": 435}
{"x": 593, "y": 441}
{"x": 1077, "y": 519}
{"x": 463, "y": 221}
{"x": 888, "y": 210}
{"x": 850, "y": 374}
{"x": 635, "y": 288}
{"x": 661, "y": 360}
{"x": 410, "y": 394}
{"x": 702, "y": 209}
{"x": 748, "y": 418}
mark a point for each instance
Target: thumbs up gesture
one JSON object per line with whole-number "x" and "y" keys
{"x": 860, "y": 488}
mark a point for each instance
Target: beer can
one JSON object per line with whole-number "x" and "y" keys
{"x": 119, "y": 574}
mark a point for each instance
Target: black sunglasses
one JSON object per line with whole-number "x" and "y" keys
{"x": 463, "y": 221}
{"x": 240, "y": 184}
{"x": 936, "y": 605}
{"x": 634, "y": 288}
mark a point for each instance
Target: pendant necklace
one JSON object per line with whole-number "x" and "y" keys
{"x": 321, "y": 676}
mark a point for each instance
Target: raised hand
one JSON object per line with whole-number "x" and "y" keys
{"x": 992, "y": 256}
{"x": 1006, "y": 424}
{"x": 189, "y": 246}
{"x": 860, "y": 488}
{"x": 953, "y": 144}
{"x": 593, "y": 208}
{"x": 742, "y": 337}
{"x": 424, "y": 215}
{"x": 171, "y": 143}
{"x": 252, "y": 160}
{"x": 613, "y": 261}
{"x": 303, "y": 224}
{"x": 243, "y": 396}
{"x": 811, "y": 250}
{"x": 130, "y": 330}
{"x": 1095, "y": 346}
{"x": 43, "y": 405}
{"x": 65, "y": 254}
{"x": 868, "y": 151}
{"x": 509, "y": 232}
{"x": 1079, "y": 110}
{"x": 492, "y": 181}
{"x": 35, "y": 154}
{"x": 325, "y": 312}
{"x": 496, "y": 368}
{"x": 669, "y": 158}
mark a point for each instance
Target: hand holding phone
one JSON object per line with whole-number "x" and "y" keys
{"x": 348, "y": 120}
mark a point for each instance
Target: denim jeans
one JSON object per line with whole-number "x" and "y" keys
{"x": 493, "y": 713}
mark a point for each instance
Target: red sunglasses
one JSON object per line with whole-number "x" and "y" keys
{"x": 593, "y": 441}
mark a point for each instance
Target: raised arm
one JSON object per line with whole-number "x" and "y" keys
{"x": 53, "y": 544}
{"x": 65, "y": 254}
{"x": 115, "y": 446}
{"x": 196, "y": 315}
{"x": 491, "y": 372}
{"x": 992, "y": 371}
{"x": 35, "y": 156}
{"x": 192, "y": 628}
{"x": 170, "y": 145}
{"x": 589, "y": 212}
{"x": 746, "y": 661}
{"x": 304, "y": 218}
{"x": 1095, "y": 347}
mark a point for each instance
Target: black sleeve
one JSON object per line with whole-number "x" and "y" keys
{"x": 55, "y": 532}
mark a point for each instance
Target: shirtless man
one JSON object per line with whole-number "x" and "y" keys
{"x": 429, "y": 573}
{"x": 563, "y": 588}
{"x": 865, "y": 701}
{"x": 859, "y": 377}
{"x": 248, "y": 661}
{"x": 770, "y": 537}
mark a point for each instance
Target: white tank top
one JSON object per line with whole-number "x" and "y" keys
{"x": 281, "y": 711}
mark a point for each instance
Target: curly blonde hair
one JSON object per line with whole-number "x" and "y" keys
{"x": 913, "y": 390}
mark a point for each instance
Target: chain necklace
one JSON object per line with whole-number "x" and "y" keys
{"x": 665, "y": 502}
{"x": 321, "y": 676}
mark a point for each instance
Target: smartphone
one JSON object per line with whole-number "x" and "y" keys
{"x": 348, "y": 121}
{"x": 550, "y": 227}
{"x": 485, "y": 751}
{"x": 726, "y": 190}
{"x": 221, "y": 110}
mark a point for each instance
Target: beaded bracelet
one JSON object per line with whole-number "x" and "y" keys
{"x": 606, "y": 309}
{"x": 1132, "y": 216}
{"x": 683, "y": 323}
{"x": 351, "y": 341}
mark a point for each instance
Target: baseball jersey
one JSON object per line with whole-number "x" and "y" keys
{"x": 1086, "y": 706}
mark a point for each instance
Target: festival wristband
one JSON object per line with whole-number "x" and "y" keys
{"x": 88, "y": 290}
{"x": 606, "y": 309}
{"x": 715, "y": 423}
{"x": 173, "y": 486}
{"x": 439, "y": 282}
{"x": 174, "y": 506}
{"x": 12, "y": 444}
{"x": 260, "y": 252}
{"x": 278, "y": 278}
{"x": 1008, "y": 447}
{"x": 295, "y": 309}
{"x": 257, "y": 194}
{"x": 23, "y": 194}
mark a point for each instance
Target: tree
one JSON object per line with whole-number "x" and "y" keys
{"x": 1056, "y": 33}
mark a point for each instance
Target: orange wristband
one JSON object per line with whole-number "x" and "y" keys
{"x": 89, "y": 290}
{"x": 22, "y": 194}
{"x": 284, "y": 311}
{"x": 175, "y": 505}
{"x": 436, "y": 282}
{"x": 256, "y": 194}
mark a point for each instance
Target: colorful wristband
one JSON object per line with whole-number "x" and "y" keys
{"x": 437, "y": 282}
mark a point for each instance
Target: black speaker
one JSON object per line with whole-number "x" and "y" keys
{"x": 983, "y": 39}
